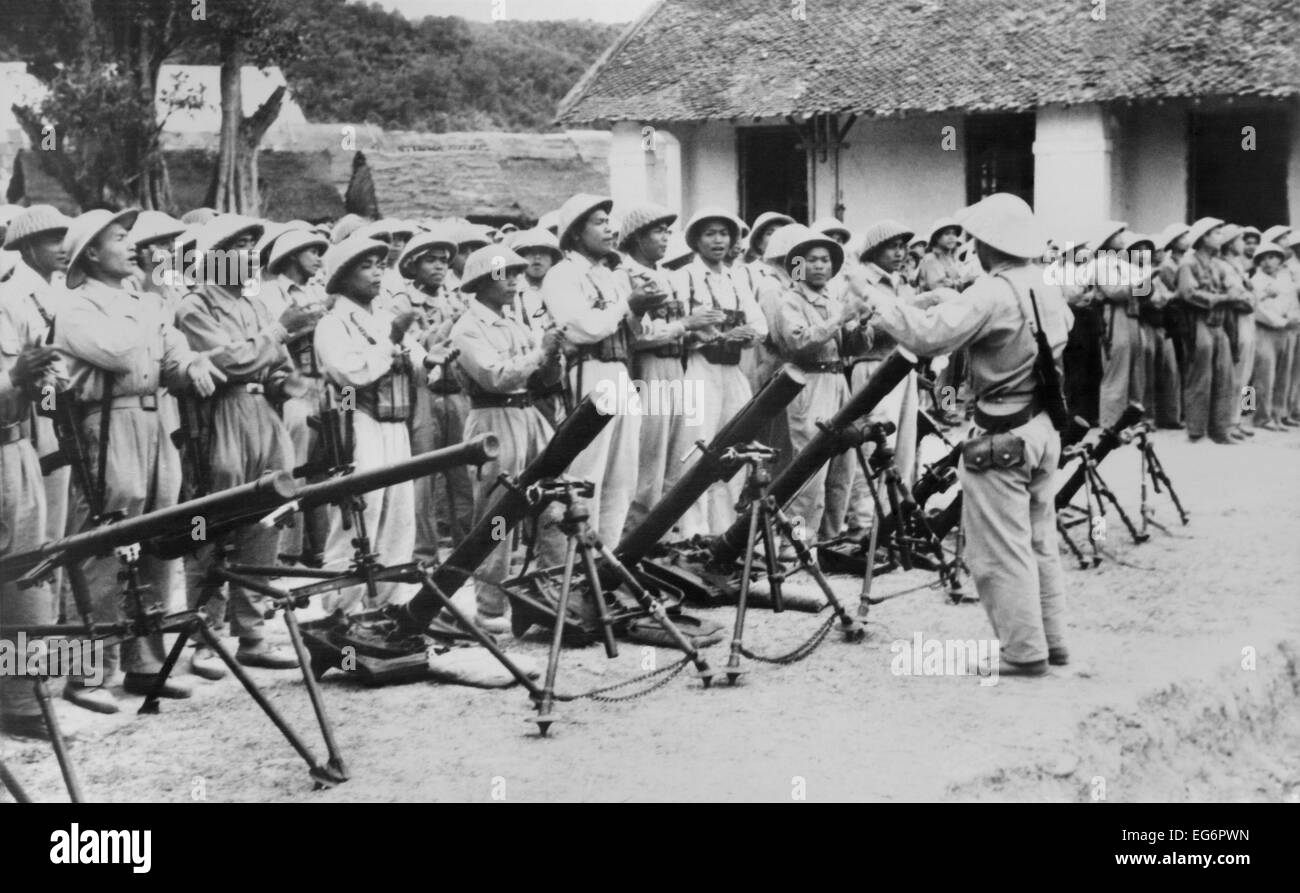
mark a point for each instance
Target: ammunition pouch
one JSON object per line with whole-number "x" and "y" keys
{"x": 446, "y": 385}
{"x": 855, "y": 343}
{"x": 668, "y": 311}
{"x": 609, "y": 350}
{"x": 1003, "y": 451}
{"x": 725, "y": 353}
{"x": 392, "y": 396}
{"x": 303, "y": 352}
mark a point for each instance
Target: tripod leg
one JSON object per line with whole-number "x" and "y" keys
{"x": 775, "y": 572}
{"x": 547, "y": 700}
{"x": 56, "y": 739}
{"x": 480, "y": 636}
{"x": 853, "y": 630}
{"x": 873, "y": 538}
{"x": 335, "y": 764}
{"x": 892, "y": 482}
{"x": 656, "y": 610}
{"x": 1088, "y": 483}
{"x": 742, "y": 600}
{"x": 1104, "y": 492}
{"x": 916, "y": 517}
{"x": 361, "y": 545}
{"x": 12, "y": 786}
{"x": 150, "y": 704}
{"x": 1069, "y": 541}
{"x": 598, "y": 596}
{"x": 322, "y": 774}
{"x": 1158, "y": 474}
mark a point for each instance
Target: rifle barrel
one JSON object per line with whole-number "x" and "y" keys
{"x": 478, "y": 451}
{"x": 253, "y": 498}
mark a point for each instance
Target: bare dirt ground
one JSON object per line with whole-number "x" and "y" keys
{"x": 1183, "y": 687}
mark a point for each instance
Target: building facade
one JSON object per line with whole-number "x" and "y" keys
{"x": 1159, "y": 111}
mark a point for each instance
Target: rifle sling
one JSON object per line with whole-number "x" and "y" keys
{"x": 101, "y": 477}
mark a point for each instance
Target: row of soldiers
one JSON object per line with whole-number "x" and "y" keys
{"x": 202, "y": 350}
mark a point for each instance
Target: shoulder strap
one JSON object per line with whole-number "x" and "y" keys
{"x": 361, "y": 329}
{"x": 101, "y": 471}
{"x": 1034, "y": 321}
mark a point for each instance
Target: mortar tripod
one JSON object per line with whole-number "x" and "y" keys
{"x": 766, "y": 520}
{"x": 912, "y": 529}
{"x": 583, "y": 546}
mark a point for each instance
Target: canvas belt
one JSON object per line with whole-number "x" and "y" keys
{"x": 501, "y": 401}
{"x": 147, "y": 402}
{"x": 13, "y": 432}
{"x": 829, "y": 366}
{"x": 998, "y": 424}
{"x": 247, "y": 387}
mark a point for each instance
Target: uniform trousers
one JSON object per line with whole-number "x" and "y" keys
{"x": 1163, "y": 392}
{"x": 1208, "y": 391}
{"x": 723, "y": 391}
{"x": 389, "y": 516}
{"x": 523, "y": 433}
{"x": 310, "y": 529}
{"x": 1009, "y": 520}
{"x": 22, "y": 528}
{"x": 821, "y": 398}
{"x": 143, "y": 474}
{"x": 1244, "y": 367}
{"x": 667, "y": 431}
{"x": 248, "y": 440}
{"x": 1123, "y": 378}
{"x": 1272, "y": 366}
{"x": 610, "y": 461}
{"x": 447, "y": 414}
{"x": 1292, "y": 378}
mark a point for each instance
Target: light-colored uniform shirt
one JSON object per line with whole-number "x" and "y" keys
{"x": 587, "y": 301}
{"x": 353, "y": 347}
{"x": 652, "y": 330}
{"x": 243, "y": 340}
{"x": 126, "y": 333}
{"x": 992, "y": 319}
{"x": 498, "y": 354}
{"x": 1200, "y": 281}
{"x": 26, "y": 300}
{"x": 529, "y": 308}
{"x": 940, "y": 269}
{"x": 806, "y": 324}
{"x": 280, "y": 293}
{"x": 1277, "y": 308}
{"x": 701, "y": 288}
{"x": 21, "y": 328}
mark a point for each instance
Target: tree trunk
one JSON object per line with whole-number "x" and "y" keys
{"x": 235, "y": 181}
{"x": 225, "y": 194}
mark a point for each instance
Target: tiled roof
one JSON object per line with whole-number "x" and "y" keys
{"x": 724, "y": 59}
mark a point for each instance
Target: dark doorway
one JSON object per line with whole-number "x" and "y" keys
{"x": 1229, "y": 181}
{"x": 773, "y": 172}
{"x": 1000, "y": 155}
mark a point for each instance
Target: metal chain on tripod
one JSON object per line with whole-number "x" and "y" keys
{"x": 666, "y": 674}
{"x": 802, "y": 651}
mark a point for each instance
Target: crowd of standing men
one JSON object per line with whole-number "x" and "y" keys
{"x": 201, "y": 351}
